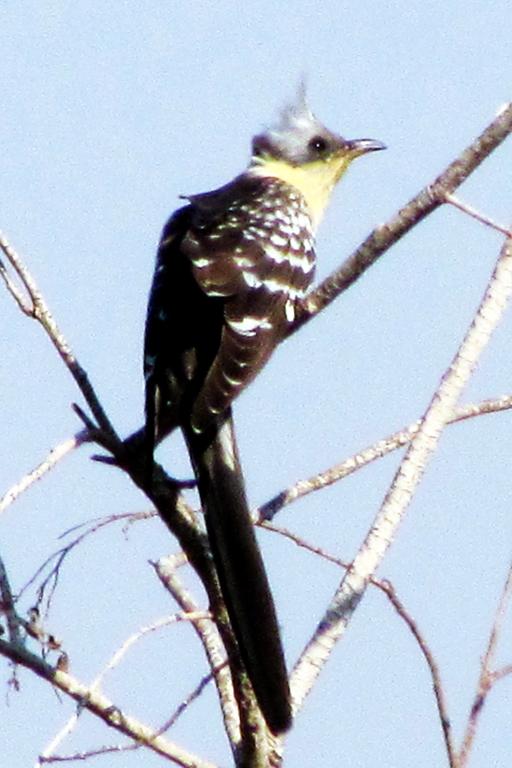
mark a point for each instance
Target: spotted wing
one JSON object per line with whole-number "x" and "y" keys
{"x": 183, "y": 333}
{"x": 250, "y": 245}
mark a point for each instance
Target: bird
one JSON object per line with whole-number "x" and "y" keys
{"x": 232, "y": 266}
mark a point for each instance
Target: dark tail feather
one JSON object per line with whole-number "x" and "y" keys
{"x": 241, "y": 571}
{"x": 150, "y": 428}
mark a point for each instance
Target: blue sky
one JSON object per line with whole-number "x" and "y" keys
{"x": 109, "y": 112}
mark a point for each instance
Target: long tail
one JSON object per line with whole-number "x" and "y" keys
{"x": 240, "y": 568}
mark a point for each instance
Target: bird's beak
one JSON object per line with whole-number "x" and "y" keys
{"x": 362, "y": 146}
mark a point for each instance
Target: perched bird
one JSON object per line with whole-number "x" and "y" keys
{"x": 231, "y": 266}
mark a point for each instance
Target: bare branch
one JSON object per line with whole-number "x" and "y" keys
{"x": 40, "y": 312}
{"x": 185, "y": 704}
{"x": 16, "y": 293}
{"x": 487, "y": 677}
{"x": 129, "y": 747}
{"x": 102, "y": 707}
{"x": 53, "y": 458}
{"x": 505, "y": 671}
{"x": 407, "y": 478}
{"x": 208, "y": 634}
{"x": 250, "y": 746}
{"x": 482, "y": 218}
{"x": 371, "y": 453}
{"x": 388, "y": 589}
{"x": 114, "y": 662}
{"x": 437, "y": 685}
{"x": 58, "y": 557}
{"x": 164, "y": 492}
{"x": 86, "y": 754}
{"x": 307, "y": 545}
{"x": 7, "y": 606}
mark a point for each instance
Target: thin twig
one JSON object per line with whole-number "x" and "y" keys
{"x": 18, "y": 296}
{"x": 114, "y": 661}
{"x": 369, "y": 454}
{"x": 177, "y": 618}
{"x": 40, "y": 312}
{"x": 475, "y": 214}
{"x": 61, "y": 554}
{"x": 87, "y": 753}
{"x": 53, "y": 458}
{"x": 307, "y": 545}
{"x": 437, "y": 685}
{"x": 487, "y": 677}
{"x": 131, "y": 746}
{"x": 187, "y": 701}
{"x": 505, "y": 671}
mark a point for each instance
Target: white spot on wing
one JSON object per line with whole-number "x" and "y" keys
{"x": 201, "y": 262}
{"x": 276, "y": 286}
{"x": 251, "y": 280}
{"x": 278, "y": 240}
{"x": 243, "y": 261}
{"x": 299, "y": 259}
{"x": 245, "y": 325}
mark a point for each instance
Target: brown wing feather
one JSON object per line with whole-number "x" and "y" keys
{"x": 258, "y": 256}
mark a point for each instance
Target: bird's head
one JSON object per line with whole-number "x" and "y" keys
{"x": 302, "y": 152}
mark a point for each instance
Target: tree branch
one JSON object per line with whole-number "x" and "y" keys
{"x": 40, "y": 312}
{"x": 384, "y": 236}
{"x": 7, "y": 606}
{"x": 487, "y": 677}
{"x": 369, "y": 454}
{"x": 409, "y": 474}
{"x": 102, "y": 707}
{"x": 209, "y": 636}
{"x": 53, "y": 458}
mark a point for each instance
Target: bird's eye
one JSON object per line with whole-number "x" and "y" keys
{"x": 318, "y": 144}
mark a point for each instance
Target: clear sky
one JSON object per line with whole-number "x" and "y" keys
{"x": 109, "y": 112}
